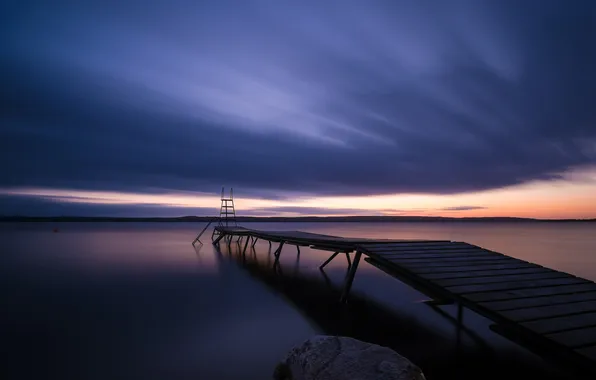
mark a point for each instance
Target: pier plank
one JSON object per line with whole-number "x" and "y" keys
{"x": 512, "y": 285}
{"x": 460, "y": 264}
{"x": 532, "y": 292}
{"x": 421, "y": 248}
{"x": 438, "y": 254}
{"x": 588, "y": 352}
{"x": 549, "y": 311}
{"x": 406, "y": 243}
{"x": 471, "y": 268}
{"x": 458, "y": 260}
{"x": 570, "y": 322}
{"x": 575, "y": 338}
{"x": 486, "y": 273}
{"x": 525, "y": 303}
{"x": 500, "y": 278}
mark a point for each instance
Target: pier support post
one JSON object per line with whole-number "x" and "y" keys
{"x": 254, "y": 241}
{"x": 221, "y": 236}
{"x": 460, "y": 314}
{"x": 333, "y": 256}
{"x": 245, "y": 245}
{"x": 277, "y": 252}
{"x": 350, "y": 277}
{"x": 328, "y": 260}
{"x": 460, "y": 317}
{"x": 298, "y": 249}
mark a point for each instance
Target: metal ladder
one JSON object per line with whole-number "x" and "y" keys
{"x": 227, "y": 212}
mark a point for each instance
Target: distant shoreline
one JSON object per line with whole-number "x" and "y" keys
{"x": 276, "y": 219}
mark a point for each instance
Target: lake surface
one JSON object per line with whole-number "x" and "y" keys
{"x": 135, "y": 300}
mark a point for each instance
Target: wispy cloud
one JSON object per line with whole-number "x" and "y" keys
{"x": 463, "y": 208}
{"x": 320, "y": 98}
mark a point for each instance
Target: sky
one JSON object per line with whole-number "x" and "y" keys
{"x": 327, "y": 107}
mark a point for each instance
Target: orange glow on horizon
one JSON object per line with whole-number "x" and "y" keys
{"x": 571, "y": 197}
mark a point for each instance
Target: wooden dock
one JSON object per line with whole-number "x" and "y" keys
{"x": 550, "y": 312}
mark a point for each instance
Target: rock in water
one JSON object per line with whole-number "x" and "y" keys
{"x": 342, "y": 358}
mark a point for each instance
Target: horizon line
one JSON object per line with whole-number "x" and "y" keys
{"x": 289, "y": 218}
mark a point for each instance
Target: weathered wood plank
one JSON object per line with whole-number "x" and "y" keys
{"x": 588, "y": 352}
{"x": 525, "y": 303}
{"x": 470, "y": 268}
{"x": 411, "y": 250}
{"x": 575, "y": 338}
{"x": 529, "y": 293}
{"x": 571, "y": 322}
{"x": 486, "y": 273}
{"x": 445, "y": 260}
{"x": 454, "y": 264}
{"x": 440, "y": 255}
{"x": 512, "y": 285}
{"x": 406, "y": 243}
{"x": 500, "y": 279}
{"x": 437, "y": 254}
{"x": 421, "y": 247}
{"x": 549, "y": 311}
{"x": 331, "y": 248}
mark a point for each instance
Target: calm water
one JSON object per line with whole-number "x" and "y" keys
{"x": 99, "y": 301}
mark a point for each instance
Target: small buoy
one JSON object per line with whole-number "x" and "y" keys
{"x": 55, "y": 230}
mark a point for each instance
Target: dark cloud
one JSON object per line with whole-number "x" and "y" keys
{"x": 44, "y": 207}
{"x": 48, "y": 206}
{"x": 317, "y": 99}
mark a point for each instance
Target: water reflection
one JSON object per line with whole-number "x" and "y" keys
{"x": 134, "y": 300}
{"x": 316, "y": 296}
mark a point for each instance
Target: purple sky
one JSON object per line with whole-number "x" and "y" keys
{"x": 286, "y": 99}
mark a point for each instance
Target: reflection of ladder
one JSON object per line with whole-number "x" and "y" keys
{"x": 227, "y": 212}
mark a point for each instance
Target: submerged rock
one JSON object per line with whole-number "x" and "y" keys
{"x": 342, "y": 358}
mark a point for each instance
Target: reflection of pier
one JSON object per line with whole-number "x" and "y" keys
{"x": 367, "y": 320}
{"x": 550, "y": 312}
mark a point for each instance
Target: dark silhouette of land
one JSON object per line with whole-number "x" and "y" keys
{"x": 277, "y": 219}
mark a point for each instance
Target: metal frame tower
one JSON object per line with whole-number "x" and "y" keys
{"x": 227, "y": 211}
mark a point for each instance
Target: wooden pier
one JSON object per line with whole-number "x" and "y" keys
{"x": 550, "y": 312}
